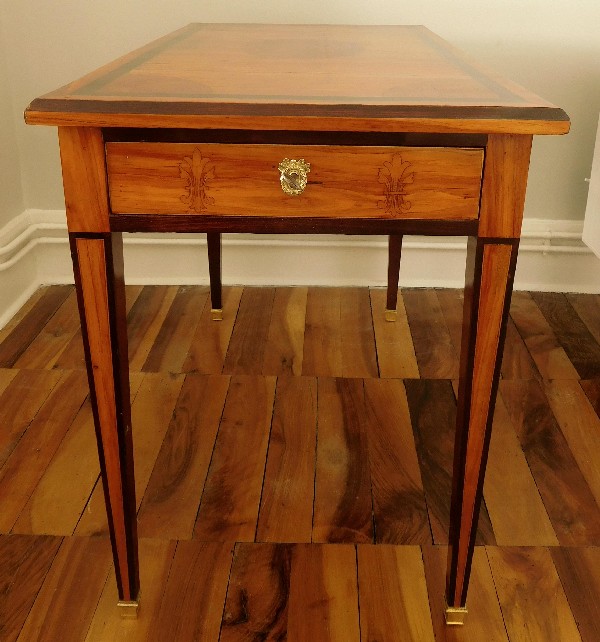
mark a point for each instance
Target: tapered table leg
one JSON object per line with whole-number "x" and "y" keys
{"x": 489, "y": 278}
{"x": 213, "y": 242}
{"x": 98, "y": 268}
{"x": 394, "y": 254}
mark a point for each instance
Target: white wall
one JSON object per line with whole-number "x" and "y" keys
{"x": 11, "y": 194}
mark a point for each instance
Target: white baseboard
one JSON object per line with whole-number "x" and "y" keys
{"x": 34, "y": 251}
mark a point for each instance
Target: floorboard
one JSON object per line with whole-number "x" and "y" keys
{"x": 231, "y": 498}
{"x": 533, "y": 602}
{"x": 394, "y": 603}
{"x": 293, "y": 470}
{"x": 343, "y": 503}
{"x": 24, "y": 563}
{"x": 399, "y": 504}
{"x": 286, "y": 509}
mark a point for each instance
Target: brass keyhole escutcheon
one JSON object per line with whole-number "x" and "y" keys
{"x": 294, "y": 175}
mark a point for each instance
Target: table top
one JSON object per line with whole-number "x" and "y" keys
{"x": 336, "y": 77}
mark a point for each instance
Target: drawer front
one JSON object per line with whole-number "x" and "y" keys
{"x": 341, "y": 181}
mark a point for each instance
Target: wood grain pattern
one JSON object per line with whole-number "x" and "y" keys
{"x": 286, "y": 509}
{"x": 142, "y": 336}
{"x": 433, "y": 416}
{"x": 560, "y": 414}
{"x": 578, "y": 572}
{"x": 151, "y": 178}
{"x": 15, "y": 342}
{"x": 296, "y": 593}
{"x": 84, "y": 178}
{"x": 191, "y": 609}
{"x": 53, "y": 338}
{"x": 28, "y": 461}
{"x": 173, "y": 340}
{"x": 285, "y": 341}
{"x": 433, "y": 413}
{"x": 20, "y": 403}
{"x": 24, "y": 562}
{"x": 513, "y": 501}
{"x": 571, "y": 332}
{"x": 207, "y": 352}
{"x": 485, "y": 120}
{"x": 20, "y": 315}
{"x": 541, "y": 341}
{"x": 248, "y": 340}
{"x": 591, "y": 387}
{"x": 393, "y": 594}
{"x": 436, "y": 355}
{"x": 451, "y": 302}
{"x": 6, "y": 376}
{"x": 343, "y": 510}
{"x": 339, "y": 339}
{"x": 516, "y": 359}
{"x": 206, "y": 76}
{"x": 65, "y": 604}
{"x": 230, "y": 502}
{"x": 56, "y": 504}
{"x": 534, "y": 605}
{"x": 395, "y": 351}
{"x": 72, "y": 356}
{"x": 357, "y": 337}
{"x": 152, "y": 410}
{"x": 580, "y": 426}
{"x": 567, "y": 497}
{"x": 587, "y": 307}
{"x": 322, "y": 340}
{"x": 503, "y": 191}
{"x": 258, "y": 593}
{"x": 173, "y": 493}
{"x": 399, "y": 508}
{"x": 353, "y": 53}
{"x": 323, "y": 602}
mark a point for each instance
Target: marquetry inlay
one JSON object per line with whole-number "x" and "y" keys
{"x": 395, "y": 176}
{"x": 197, "y": 172}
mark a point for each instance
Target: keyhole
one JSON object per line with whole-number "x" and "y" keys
{"x": 292, "y": 180}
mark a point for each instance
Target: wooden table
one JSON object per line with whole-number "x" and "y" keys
{"x": 295, "y": 129}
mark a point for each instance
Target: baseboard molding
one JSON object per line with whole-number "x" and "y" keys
{"x": 34, "y": 251}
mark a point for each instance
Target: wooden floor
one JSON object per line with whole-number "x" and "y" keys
{"x": 274, "y": 448}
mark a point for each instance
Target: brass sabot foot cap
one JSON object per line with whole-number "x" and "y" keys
{"x": 455, "y": 615}
{"x": 129, "y": 608}
{"x": 217, "y": 314}
{"x": 391, "y": 315}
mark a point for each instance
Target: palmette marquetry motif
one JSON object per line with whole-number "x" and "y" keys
{"x": 395, "y": 175}
{"x": 197, "y": 172}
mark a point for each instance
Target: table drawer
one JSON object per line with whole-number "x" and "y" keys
{"x": 249, "y": 180}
